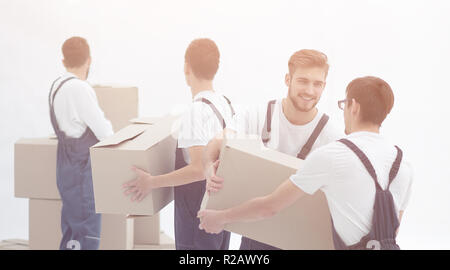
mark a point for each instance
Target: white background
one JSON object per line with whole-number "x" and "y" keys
{"x": 142, "y": 43}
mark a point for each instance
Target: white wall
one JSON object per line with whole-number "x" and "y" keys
{"x": 143, "y": 42}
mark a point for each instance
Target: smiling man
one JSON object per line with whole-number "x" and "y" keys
{"x": 292, "y": 125}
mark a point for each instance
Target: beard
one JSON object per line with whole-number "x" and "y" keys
{"x": 300, "y": 104}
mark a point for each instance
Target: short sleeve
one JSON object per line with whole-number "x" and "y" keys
{"x": 193, "y": 127}
{"x": 408, "y": 192}
{"x": 316, "y": 172}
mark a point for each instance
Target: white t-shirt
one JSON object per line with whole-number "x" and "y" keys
{"x": 350, "y": 190}
{"x": 285, "y": 137}
{"x": 200, "y": 124}
{"x": 76, "y": 108}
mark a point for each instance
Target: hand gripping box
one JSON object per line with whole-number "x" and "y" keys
{"x": 251, "y": 170}
{"x": 149, "y": 146}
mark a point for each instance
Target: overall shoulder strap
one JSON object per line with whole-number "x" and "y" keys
{"x": 312, "y": 139}
{"x": 396, "y": 165}
{"x": 366, "y": 162}
{"x": 57, "y": 89}
{"x": 50, "y": 92}
{"x": 231, "y": 107}
{"x": 268, "y": 122}
{"x": 51, "y": 99}
{"x": 219, "y": 116}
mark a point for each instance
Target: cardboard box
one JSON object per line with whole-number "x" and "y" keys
{"x": 148, "y": 146}
{"x": 166, "y": 243}
{"x": 35, "y": 159}
{"x": 119, "y": 103}
{"x": 147, "y": 230}
{"x": 251, "y": 170}
{"x": 35, "y": 168}
{"x": 45, "y": 227}
{"x": 12, "y": 245}
{"x": 117, "y": 232}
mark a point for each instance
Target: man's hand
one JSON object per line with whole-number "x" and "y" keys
{"x": 213, "y": 182}
{"x": 141, "y": 185}
{"x": 211, "y": 221}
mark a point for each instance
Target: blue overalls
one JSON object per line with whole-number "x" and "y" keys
{"x": 384, "y": 220}
{"x": 250, "y": 244}
{"x": 187, "y": 203}
{"x": 80, "y": 224}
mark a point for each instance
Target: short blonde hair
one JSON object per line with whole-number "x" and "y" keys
{"x": 308, "y": 58}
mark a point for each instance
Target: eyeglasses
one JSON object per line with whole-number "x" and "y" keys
{"x": 341, "y": 104}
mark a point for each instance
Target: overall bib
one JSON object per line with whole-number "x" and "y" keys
{"x": 187, "y": 203}
{"x": 384, "y": 220}
{"x": 80, "y": 224}
{"x": 250, "y": 244}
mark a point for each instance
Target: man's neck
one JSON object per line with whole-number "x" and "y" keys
{"x": 295, "y": 116}
{"x": 80, "y": 73}
{"x": 201, "y": 86}
{"x": 366, "y": 127}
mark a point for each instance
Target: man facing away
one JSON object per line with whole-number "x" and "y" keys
{"x": 208, "y": 115}
{"x": 78, "y": 123}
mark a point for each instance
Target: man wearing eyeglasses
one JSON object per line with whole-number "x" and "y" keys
{"x": 292, "y": 125}
{"x": 365, "y": 178}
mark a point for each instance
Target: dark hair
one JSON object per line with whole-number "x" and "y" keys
{"x": 202, "y": 56}
{"x": 375, "y": 97}
{"x": 75, "y": 51}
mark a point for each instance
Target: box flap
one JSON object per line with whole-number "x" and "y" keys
{"x": 254, "y": 146}
{"x": 145, "y": 120}
{"x": 123, "y": 135}
{"x": 161, "y": 129}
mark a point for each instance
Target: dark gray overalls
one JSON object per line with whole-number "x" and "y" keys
{"x": 187, "y": 203}
{"x": 80, "y": 224}
{"x": 247, "y": 243}
{"x": 384, "y": 220}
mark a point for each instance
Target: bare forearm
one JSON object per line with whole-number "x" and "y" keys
{"x": 212, "y": 151}
{"x": 186, "y": 175}
{"x": 252, "y": 210}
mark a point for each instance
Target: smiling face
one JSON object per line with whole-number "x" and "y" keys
{"x": 306, "y": 85}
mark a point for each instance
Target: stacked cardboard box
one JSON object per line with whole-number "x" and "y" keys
{"x": 166, "y": 243}
{"x": 251, "y": 170}
{"x": 117, "y": 232}
{"x": 35, "y": 178}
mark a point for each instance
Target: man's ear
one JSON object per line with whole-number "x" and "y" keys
{"x": 187, "y": 69}
{"x": 287, "y": 79}
{"x": 63, "y": 62}
{"x": 355, "y": 107}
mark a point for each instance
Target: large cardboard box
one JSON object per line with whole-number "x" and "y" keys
{"x": 35, "y": 159}
{"x": 119, "y": 103}
{"x": 35, "y": 168}
{"x": 166, "y": 243}
{"x": 45, "y": 227}
{"x": 149, "y": 146}
{"x": 252, "y": 170}
{"x": 147, "y": 230}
